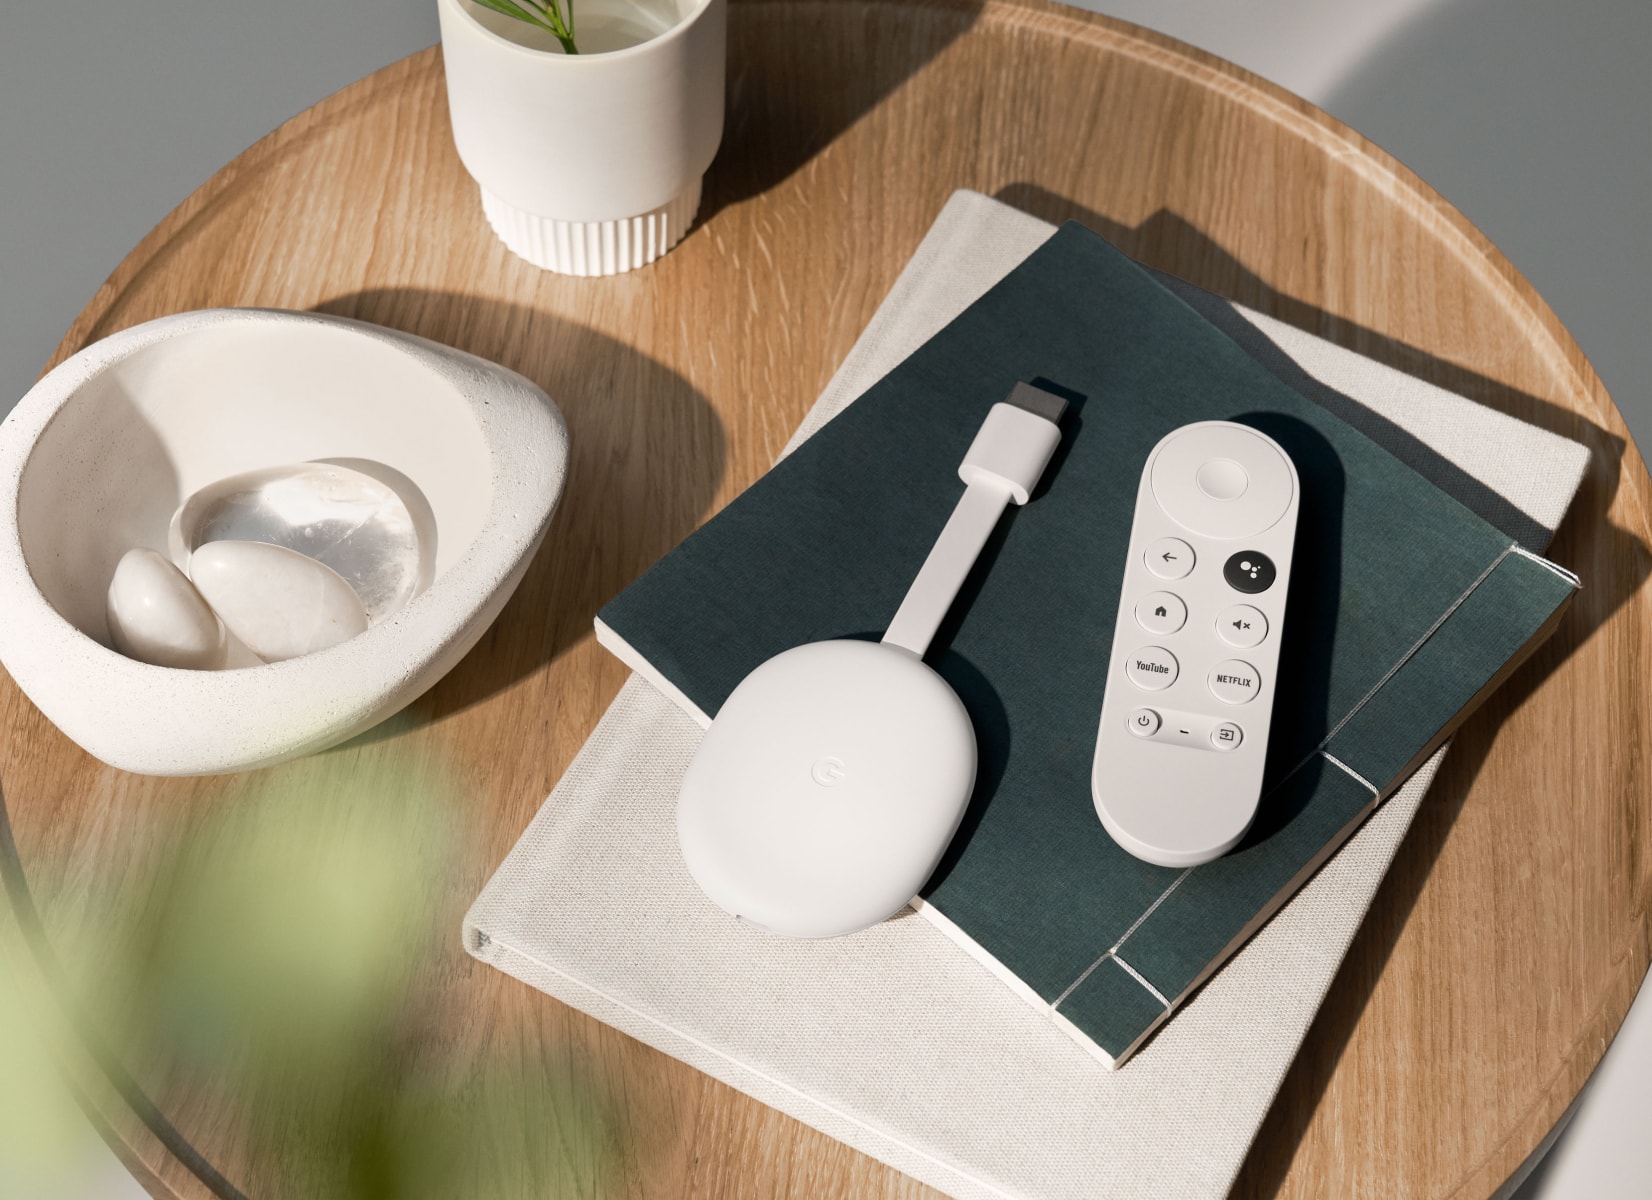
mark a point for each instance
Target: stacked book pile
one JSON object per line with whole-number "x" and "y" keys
{"x": 981, "y": 1042}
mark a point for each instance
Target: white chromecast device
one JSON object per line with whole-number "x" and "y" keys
{"x": 834, "y": 776}
{"x": 1177, "y": 775}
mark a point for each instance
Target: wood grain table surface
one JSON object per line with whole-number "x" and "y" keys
{"x": 1502, "y": 950}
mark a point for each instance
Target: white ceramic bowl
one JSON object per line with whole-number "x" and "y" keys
{"x": 95, "y": 459}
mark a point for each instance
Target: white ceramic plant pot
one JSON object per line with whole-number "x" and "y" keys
{"x": 589, "y": 164}
{"x": 101, "y": 452}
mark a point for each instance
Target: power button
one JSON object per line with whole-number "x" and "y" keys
{"x": 1144, "y": 722}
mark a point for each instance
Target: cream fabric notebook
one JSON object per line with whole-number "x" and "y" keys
{"x": 895, "y": 1040}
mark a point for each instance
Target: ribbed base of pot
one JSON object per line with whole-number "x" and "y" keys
{"x": 592, "y": 247}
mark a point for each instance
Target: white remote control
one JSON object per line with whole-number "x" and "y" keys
{"x": 1184, "y": 723}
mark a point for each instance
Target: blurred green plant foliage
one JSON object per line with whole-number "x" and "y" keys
{"x": 47, "y": 1147}
{"x": 289, "y": 967}
{"x": 287, "y": 925}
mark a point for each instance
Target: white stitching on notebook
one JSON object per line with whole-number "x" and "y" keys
{"x": 1073, "y": 986}
{"x": 1139, "y": 978}
{"x": 1163, "y": 896}
{"x": 1556, "y": 568}
{"x": 1417, "y": 645}
{"x": 1375, "y": 794}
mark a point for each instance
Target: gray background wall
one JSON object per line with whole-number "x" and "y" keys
{"x": 1532, "y": 116}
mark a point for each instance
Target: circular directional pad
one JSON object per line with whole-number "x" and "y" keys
{"x": 1222, "y": 480}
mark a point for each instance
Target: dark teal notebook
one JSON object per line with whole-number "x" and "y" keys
{"x": 1405, "y": 608}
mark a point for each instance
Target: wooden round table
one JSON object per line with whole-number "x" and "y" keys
{"x": 1511, "y": 934}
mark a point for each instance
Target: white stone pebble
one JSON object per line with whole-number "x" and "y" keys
{"x": 156, "y": 615}
{"x": 276, "y": 601}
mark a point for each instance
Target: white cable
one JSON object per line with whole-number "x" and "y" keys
{"x": 948, "y": 564}
{"x": 1003, "y": 465}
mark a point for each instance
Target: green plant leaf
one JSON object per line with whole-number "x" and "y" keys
{"x": 564, "y": 24}
{"x": 546, "y": 16}
{"x": 514, "y": 10}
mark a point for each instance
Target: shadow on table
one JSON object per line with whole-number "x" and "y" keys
{"x": 793, "y": 88}
{"x": 1168, "y": 243}
{"x": 647, "y": 454}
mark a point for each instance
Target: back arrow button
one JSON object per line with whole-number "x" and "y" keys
{"x": 1169, "y": 558}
